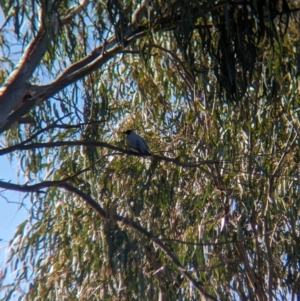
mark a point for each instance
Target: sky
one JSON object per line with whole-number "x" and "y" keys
{"x": 11, "y": 215}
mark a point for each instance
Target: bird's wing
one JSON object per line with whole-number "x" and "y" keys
{"x": 145, "y": 149}
{"x": 146, "y": 146}
{"x": 132, "y": 143}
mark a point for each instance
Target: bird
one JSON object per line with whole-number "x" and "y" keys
{"x": 137, "y": 143}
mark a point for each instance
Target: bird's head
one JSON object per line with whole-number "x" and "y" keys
{"x": 127, "y": 132}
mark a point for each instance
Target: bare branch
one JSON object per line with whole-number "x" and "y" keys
{"x": 21, "y": 147}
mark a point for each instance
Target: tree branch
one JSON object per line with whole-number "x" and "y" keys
{"x": 74, "y": 72}
{"x": 92, "y": 62}
{"x": 175, "y": 161}
{"x": 14, "y": 87}
{"x": 106, "y": 215}
{"x": 253, "y": 279}
{"x": 75, "y": 9}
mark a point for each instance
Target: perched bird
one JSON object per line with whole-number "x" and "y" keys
{"x": 137, "y": 143}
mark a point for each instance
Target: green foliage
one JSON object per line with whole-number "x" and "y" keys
{"x": 205, "y": 80}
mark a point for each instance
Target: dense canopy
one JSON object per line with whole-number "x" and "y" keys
{"x": 214, "y": 89}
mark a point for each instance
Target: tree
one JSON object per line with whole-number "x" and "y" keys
{"x": 214, "y": 88}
